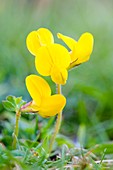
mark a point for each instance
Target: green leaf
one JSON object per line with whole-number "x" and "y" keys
{"x": 18, "y": 100}
{"x": 8, "y": 106}
{"x": 61, "y": 139}
{"x": 11, "y": 99}
{"x": 96, "y": 166}
{"x": 13, "y": 103}
{"x": 45, "y": 143}
{"x": 108, "y": 147}
{"x": 65, "y": 150}
{"x": 82, "y": 134}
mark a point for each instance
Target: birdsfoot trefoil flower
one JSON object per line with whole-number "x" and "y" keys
{"x": 80, "y": 50}
{"x": 43, "y": 102}
{"x": 53, "y": 60}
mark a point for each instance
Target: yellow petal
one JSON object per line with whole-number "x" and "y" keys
{"x": 45, "y": 36}
{"x": 38, "y": 88}
{"x": 59, "y": 76}
{"x": 43, "y": 62}
{"x": 52, "y": 105}
{"x": 83, "y": 59}
{"x": 70, "y": 42}
{"x": 60, "y": 55}
{"x": 73, "y": 55}
{"x": 32, "y": 42}
{"x": 49, "y": 56}
{"x": 83, "y": 48}
{"x": 38, "y": 38}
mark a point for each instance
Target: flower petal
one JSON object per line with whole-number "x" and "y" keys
{"x": 45, "y": 36}
{"x": 43, "y": 61}
{"x": 36, "y": 39}
{"x": 84, "y": 48}
{"x": 32, "y": 42}
{"x": 59, "y": 76}
{"x": 49, "y": 56}
{"x": 70, "y": 42}
{"x": 52, "y": 105}
{"x": 60, "y": 55}
{"x": 38, "y": 88}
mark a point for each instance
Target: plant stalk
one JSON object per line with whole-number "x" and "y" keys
{"x": 16, "y": 129}
{"x": 58, "y": 121}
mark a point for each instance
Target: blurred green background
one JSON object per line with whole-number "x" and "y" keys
{"x": 88, "y": 115}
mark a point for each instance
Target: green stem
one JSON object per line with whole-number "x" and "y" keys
{"x": 16, "y": 130}
{"x": 58, "y": 122}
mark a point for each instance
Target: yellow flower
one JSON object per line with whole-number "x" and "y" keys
{"x": 36, "y": 39}
{"x": 53, "y": 60}
{"x": 80, "y": 50}
{"x": 43, "y": 102}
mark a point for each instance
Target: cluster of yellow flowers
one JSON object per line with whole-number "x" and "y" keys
{"x": 52, "y": 59}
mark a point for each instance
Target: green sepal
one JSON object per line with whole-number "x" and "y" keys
{"x": 9, "y": 106}
{"x": 11, "y": 99}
